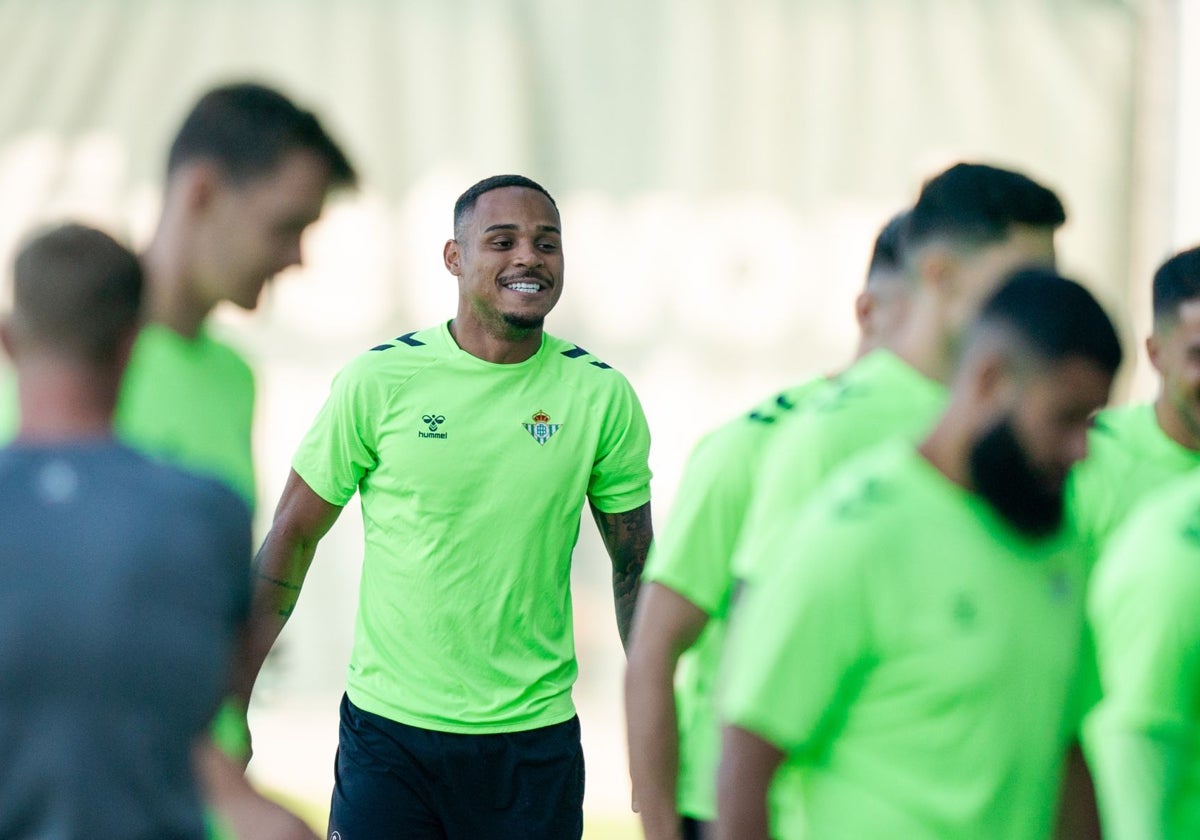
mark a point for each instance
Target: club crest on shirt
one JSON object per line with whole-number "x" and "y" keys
{"x": 432, "y": 421}
{"x": 541, "y": 429}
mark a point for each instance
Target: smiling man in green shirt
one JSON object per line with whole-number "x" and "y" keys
{"x": 473, "y": 445}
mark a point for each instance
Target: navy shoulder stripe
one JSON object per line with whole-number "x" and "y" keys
{"x": 575, "y": 352}
{"x": 407, "y": 338}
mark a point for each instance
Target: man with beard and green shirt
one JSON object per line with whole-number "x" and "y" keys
{"x": 971, "y": 225}
{"x": 911, "y": 641}
{"x": 1138, "y": 448}
{"x": 680, "y": 622}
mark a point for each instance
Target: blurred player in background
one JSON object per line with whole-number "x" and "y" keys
{"x": 971, "y": 225}
{"x": 124, "y": 583}
{"x": 1144, "y": 598}
{"x": 247, "y": 173}
{"x": 673, "y": 755}
{"x": 1138, "y": 448}
{"x": 914, "y": 641}
{"x": 473, "y": 445}
{"x": 1144, "y": 610}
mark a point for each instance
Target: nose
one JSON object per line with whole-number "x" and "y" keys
{"x": 526, "y": 254}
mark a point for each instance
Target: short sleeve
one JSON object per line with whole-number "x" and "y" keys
{"x": 340, "y": 446}
{"x": 800, "y": 636}
{"x": 692, "y": 554}
{"x": 620, "y": 478}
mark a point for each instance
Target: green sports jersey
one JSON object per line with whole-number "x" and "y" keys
{"x": 913, "y": 655}
{"x": 1129, "y": 455}
{"x": 692, "y": 556}
{"x": 472, "y": 476}
{"x": 190, "y": 402}
{"x": 880, "y": 397}
{"x": 1143, "y": 739}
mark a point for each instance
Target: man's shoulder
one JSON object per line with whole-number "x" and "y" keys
{"x": 406, "y": 352}
{"x": 575, "y": 358}
{"x": 1123, "y": 428}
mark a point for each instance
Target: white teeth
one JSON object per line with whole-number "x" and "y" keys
{"x": 524, "y": 287}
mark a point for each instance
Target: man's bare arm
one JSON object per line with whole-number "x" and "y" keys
{"x": 664, "y": 626}
{"x": 302, "y": 518}
{"x": 627, "y": 536}
{"x": 243, "y": 810}
{"x": 748, "y": 764}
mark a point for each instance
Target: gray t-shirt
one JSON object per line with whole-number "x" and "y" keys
{"x": 123, "y": 583}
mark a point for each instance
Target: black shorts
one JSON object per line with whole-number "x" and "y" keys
{"x": 694, "y": 829}
{"x": 397, "y": 781}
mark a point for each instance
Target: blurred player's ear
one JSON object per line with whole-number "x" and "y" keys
{"x": 864, "y": 305}
{"x": 452, "y": 257}
{"x": 199, "y": 181}
{"x": 935, "y": 266}
{"x": 1154, "y": 351}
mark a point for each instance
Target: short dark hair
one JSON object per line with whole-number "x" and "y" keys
{"x": 248, "y": 128}
{"x": 1053, "y": 317}
{"x": 1176, "y": 282}
{"x": 466, "y": 202}
{"x": 977, "y": 205}
{"x": 77, "y": 292}
{"x": 887, "y": 257}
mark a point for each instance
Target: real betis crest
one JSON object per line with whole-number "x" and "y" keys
{"x": 541, "y": 429}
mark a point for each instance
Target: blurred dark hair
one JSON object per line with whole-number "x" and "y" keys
{"x": 247, "y": 129}
{"x": 975, "y": 205}
{"x": 76, "y": 292}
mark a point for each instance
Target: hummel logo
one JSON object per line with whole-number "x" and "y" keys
{"x": 432, "y": 421}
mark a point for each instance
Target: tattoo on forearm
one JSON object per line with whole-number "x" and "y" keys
{"x": 282, "y": 584}
{"x": 285, "y": 594}
{"x": 627, "y": 536}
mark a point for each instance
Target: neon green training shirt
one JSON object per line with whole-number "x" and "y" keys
{"x": 880, "y": 397}
{"x": 1143, "y": 739}
{"x": 472, "y": 476}
{"x": 914, "y": 655}
{"x": 1129, "y": 455}
{"x": 190, "y": 402}
{"x": 692, "y": 556}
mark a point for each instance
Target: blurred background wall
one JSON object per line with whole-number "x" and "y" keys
{"x": 721, "y": 165}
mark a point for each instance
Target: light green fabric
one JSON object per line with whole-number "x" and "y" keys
{"x": 190, "y": 402}
{"x": 878, "y": 398}
{"x": 1143, "y": 739}
{"x": 914, "y": 656}
{"x": 472, "y": 476}
{"x": 1129, "y": 456}
{"x": 692, "y": 556}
